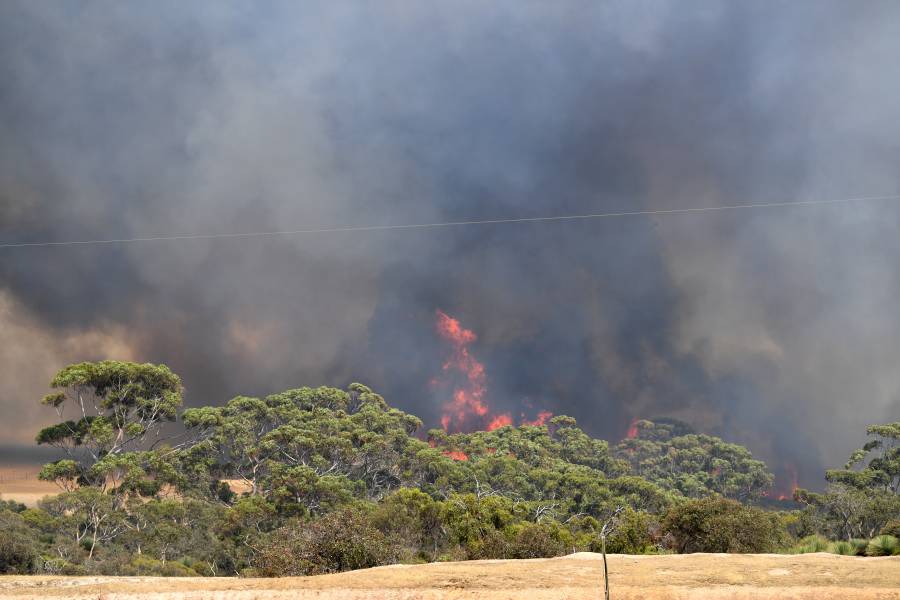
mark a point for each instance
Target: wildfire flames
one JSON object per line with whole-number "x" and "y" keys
{"x": 791, "y": 472}
{"x": 468, "y": 409}
{"x": 541, "y": 419}
{"x": 632, "y": 430}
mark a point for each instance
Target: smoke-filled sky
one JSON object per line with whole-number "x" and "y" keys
{"x": 778, "y": 328}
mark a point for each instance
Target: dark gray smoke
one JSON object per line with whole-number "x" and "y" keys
{"x": 777, "y": 328}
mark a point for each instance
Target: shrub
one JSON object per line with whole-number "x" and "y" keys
{"x": 811, "y": 544}
{"x": 493, "y": 544}
{"x": 883, "y": 545}
{"x": 144, "y": 565}
{"x": 859, "y": 546}
{"x": 842, "y": 548}
{"x": 17, "y": 552}
{"x": 637, "y": 533}
{"x": 339, "y": 541}
{"x": 52, "y": 565}
{"x": 715, "y": 524}
{"x": 540, "y": 540}
{"x": 12, "y": 506}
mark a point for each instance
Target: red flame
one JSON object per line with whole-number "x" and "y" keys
{"x": 456, "y": 454}
{"x": 632, "y": 429}
{"x": 468, "y": 399}
{"x": 468, "y": 408}
{"x": 499, "y": 421}
{"x": 541, "y": 419}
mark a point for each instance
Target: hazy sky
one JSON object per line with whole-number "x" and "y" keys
{"x": 777, "y": 328}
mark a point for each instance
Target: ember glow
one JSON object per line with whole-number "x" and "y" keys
{"x": 468, "y": 408}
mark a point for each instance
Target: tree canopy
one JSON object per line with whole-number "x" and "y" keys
{"x": 313, "y": 480}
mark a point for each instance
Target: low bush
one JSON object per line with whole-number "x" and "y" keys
{"x": 539, "y": 540}
{"x": 339, "y": 541}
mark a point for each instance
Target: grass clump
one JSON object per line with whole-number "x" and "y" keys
{"x": 859, "y": 546}
{"x": 883, "y": 545}
{"x": 810, "y": 544}
{"x": 842, "y": 548}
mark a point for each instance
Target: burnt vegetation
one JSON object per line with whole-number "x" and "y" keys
{"x": 319, "y": 480}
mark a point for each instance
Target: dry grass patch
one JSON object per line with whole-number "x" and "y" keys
{"x": 576, "y": 577}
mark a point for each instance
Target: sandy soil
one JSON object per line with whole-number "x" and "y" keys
{"x": 576, "y": 577}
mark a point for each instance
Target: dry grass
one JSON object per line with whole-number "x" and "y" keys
{"x": 576, "y": 577}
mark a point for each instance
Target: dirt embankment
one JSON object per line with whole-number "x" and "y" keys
{"x": 576, "y": 577}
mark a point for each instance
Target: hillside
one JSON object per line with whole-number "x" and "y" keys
{"x": 575, "y": 577}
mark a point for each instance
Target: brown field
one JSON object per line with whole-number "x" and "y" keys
{"x": 22, "y": 485}
{"x": 575, "y": 577}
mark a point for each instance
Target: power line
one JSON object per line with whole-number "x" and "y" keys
{"x": 365, "y": 228}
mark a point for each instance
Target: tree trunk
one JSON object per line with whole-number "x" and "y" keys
{"x": 605, "y": 570}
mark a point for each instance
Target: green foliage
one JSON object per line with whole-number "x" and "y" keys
{"x": 878, "y": 462}
{"x": 842, "y": 548}
{"x": 716, "y": 524}
{"x": 339, "y": 541}
{"x": 811, "y": 544}
{"x": 892, "y": 527}
{"x": 17, "y": 548}
{"x": 637, "y": 532}
{"x": 883, "y": 545}
{"x": 12, "y": 506}
{"x": 317, "y": 480}
{"x": 864, "y": 496}
{"x": 117, "y": 405}
{"x": 675, "y": 458}
{"x": 859, "y": 546}
{"x": 538, "y": 540}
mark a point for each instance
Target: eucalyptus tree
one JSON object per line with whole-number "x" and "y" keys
{"x": 696, "y": 465}
{"x": 118, "y": 407}
{"x": 864, "y": 495}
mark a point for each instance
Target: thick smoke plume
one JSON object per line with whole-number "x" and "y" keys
{"x": 775, "y": 328}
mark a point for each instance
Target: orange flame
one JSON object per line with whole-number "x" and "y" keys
{"x": 468, "y": 399}
{"x": 456, "y": 454}
{"x": 499, "y": 421}
{"x": 542, "y": 418}
{"x": 468, "y": 408}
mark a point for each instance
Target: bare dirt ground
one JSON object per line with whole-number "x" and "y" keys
{"x": 575, "y": 577}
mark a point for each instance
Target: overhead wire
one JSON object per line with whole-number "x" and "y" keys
{"x": 447, "y": 224}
